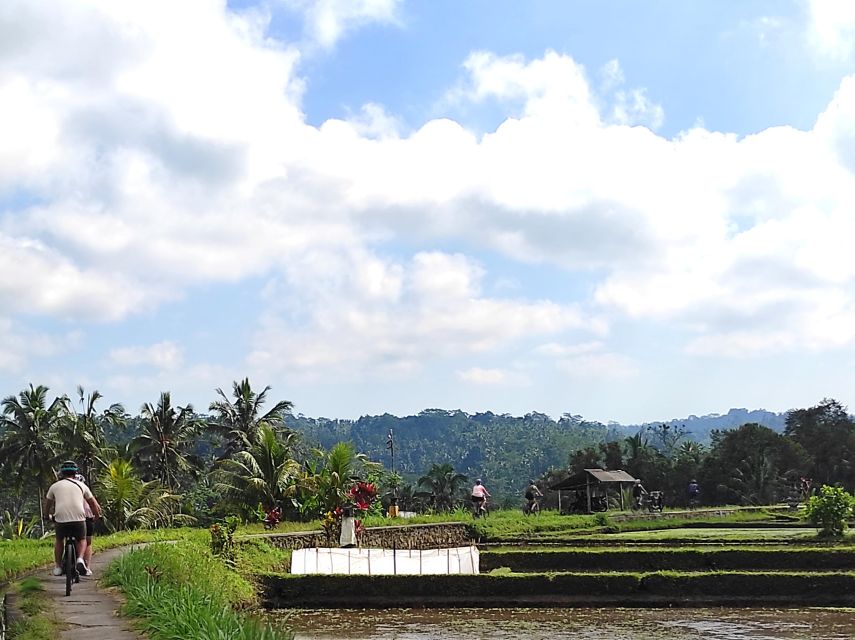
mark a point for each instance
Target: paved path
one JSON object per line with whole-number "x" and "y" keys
{"x": 90, "y": 612}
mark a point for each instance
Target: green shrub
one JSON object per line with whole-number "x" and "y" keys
{"x": 830, "y": 510}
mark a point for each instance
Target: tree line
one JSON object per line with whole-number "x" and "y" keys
{"x": 749, "y": 465}
{"x": 172, "y": 465}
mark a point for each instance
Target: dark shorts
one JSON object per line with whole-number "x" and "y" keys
{"x": 477, "y": 499}
{"x": 90, "y": 527}
{"x": 68, "y": 529}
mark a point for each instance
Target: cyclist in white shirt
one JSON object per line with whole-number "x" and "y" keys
{"x": 65, "y": 500}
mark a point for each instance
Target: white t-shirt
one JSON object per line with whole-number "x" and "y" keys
{"x": 70, "y": 497}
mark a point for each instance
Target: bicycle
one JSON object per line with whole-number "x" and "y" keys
{"x": 479, "y": 509}
{"x": 69, "y": 563}
{"x": 532, "y": 508}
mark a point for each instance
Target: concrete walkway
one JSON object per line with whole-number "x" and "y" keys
{"x": 90, "y": 612}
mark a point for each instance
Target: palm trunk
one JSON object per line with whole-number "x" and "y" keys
{"x": 41, "y": 507}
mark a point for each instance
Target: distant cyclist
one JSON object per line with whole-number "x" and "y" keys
{"x": 532, "y": 493}
{"x": 65, "y": 500}
{"x": 694, "y": 492}
{"x": 638, "y": 493}
{"x": 479, "y": 498}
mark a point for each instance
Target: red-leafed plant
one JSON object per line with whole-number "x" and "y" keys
{"x": 362, "y": 494}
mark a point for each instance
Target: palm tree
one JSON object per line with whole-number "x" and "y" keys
{"x": 757, "y": 480}
{"x": 166, "y": 438}
{"x": 128, "y": 501}
{"x": 82, "y": 434}
{"x": 240, "y": 421}
{"x": 332, "y": 474}
{"x": 30, "y": 446}
{"x": 443, "y": 485}
{"x": 266, "y": 474}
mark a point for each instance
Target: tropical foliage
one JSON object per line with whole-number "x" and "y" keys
{"x": 164, "y": 445}
{"x": 241, "y": 420}
{"x": 252, "y": 452}
{"x": 442, "y": 486}
{"x": 830, "y": 510}
{"x": 30, "y": 445}
{"x": 264, "y": 475}
{"x": 129, "y": 502}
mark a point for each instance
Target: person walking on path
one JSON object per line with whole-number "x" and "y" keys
{"x": 65, "y": 501}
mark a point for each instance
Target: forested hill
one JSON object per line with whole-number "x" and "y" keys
{"x": 507, "y": 450}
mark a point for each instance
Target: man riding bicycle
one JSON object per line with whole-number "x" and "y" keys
{"x": 65, "y": 501}
{"x": 532, "y": 493}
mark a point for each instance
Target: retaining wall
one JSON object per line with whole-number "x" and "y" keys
{"x": 412, "y": 536}
{"x": 673, "y": 560}
{"x": 562, "y": 589}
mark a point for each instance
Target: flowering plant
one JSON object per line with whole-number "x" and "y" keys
{"x": 363, "y": 494}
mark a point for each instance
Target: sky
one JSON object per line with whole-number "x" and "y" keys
{"x": 629, "y": 211}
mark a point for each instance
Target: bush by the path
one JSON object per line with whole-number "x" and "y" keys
{"x": 181, "y": 591}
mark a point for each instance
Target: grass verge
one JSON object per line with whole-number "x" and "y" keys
{"x": 181, "y": 591}
{"x": 40, "y": 622}
{"x": 19, "y": 556}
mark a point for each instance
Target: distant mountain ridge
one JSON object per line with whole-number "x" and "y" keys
{"x": 699, "y": 427}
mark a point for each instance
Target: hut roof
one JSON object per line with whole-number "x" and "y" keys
{"x": 594, "y": 476}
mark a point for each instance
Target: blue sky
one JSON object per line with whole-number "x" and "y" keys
{"x": 632, "y": 211}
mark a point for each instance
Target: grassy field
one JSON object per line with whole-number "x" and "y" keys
{"x": 20, "y": 556}
{"x": 512, "y": 524}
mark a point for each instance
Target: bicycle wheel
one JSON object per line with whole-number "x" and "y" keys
{"x": 70, "y": 565}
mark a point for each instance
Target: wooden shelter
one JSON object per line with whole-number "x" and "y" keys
{"x": 591, "y": 486}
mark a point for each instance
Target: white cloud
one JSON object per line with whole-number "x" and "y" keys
{"x": 430, "y": 308}
{"x": 611, "y": 75}
{"x": 832, "y": 27}
{"x": 328, "y": 20}
{"x": 634, "y": 107}
{"x": 610, "y": 366}
{"x": 588, "y": 360}
{"x": 22, "y": 346}
{"x": 156, "y": 167}
{"x": 165, "y": 355}
{"x": 490, "y": 377}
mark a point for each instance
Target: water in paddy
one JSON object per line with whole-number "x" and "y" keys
{"x": 559, "y": 624}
